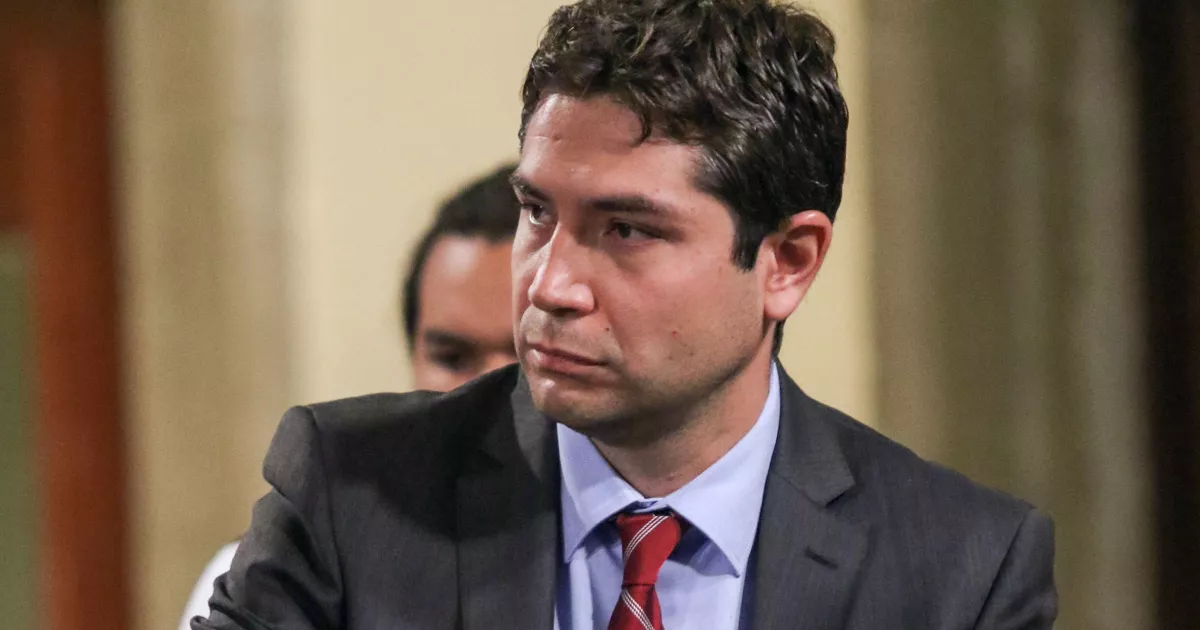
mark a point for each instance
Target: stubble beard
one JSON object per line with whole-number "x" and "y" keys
{"x": 638, "y": 418}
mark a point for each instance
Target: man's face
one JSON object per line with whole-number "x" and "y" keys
{"x": 464, "y": 321}
{"x": 627, "y": 303}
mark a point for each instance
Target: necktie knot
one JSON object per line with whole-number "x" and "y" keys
{"x": 646, "y": 542}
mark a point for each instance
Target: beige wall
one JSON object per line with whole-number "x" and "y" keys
{"x": 278, "y": 160}
{"x": 199, "y": 145}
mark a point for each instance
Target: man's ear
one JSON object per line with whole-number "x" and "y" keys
{"x": 791, "y": 258}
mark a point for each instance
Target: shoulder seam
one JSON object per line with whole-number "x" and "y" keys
{"x": 322, "y": 462}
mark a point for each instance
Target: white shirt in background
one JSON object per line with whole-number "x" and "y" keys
{"x": 198, "y": 602}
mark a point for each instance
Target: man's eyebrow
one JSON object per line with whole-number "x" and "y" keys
{"x": 630, "y": 204}
{"x": 445, "y": 338}
{"x": 523, "y": 186}
{"x": 627, "y": 204}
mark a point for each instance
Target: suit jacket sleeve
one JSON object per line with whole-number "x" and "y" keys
{"x": 1022, "y": 596}
{"x": 285, "y": 573}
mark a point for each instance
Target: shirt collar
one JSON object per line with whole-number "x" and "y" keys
{"x": 723, "y": 502}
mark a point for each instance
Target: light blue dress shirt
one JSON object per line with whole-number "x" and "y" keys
{"x": 706, "y": 582}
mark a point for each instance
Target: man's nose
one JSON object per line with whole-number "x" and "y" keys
{"x": 560, "y": 285}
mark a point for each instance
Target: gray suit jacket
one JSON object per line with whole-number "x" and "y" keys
{"x": 427, "y": 511}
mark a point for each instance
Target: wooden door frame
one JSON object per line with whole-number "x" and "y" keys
{"x": 59, "y": 167}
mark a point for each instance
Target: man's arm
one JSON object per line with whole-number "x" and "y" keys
{"x": 1023, "y": 595}
{"x": 285, "y": 573}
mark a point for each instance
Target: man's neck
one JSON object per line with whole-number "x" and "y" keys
{"x": 663, "y": 465}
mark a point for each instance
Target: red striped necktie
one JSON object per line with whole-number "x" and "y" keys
{"x": 646, "y": 541}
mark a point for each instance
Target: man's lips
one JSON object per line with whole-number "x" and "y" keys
{"x": 562, "y": 354}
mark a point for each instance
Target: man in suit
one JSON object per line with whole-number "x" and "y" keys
{"x": 453, "y": 305}
{"x": 649, "y": 465}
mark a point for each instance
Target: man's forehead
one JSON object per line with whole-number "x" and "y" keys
{"x": 466, "y": 283}
{"x": 559, "y": 117}
{"x": 595, "y": 129}
{"x": 461, "y": 258}
{"x": 596, "y": 160}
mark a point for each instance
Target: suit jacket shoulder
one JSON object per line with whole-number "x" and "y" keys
{"x": 417, "y": 419}
{"x": 890, "y": 469}
{"x": 361, "y": 524}
{"x": 924, "y": 546}
{"x": 412, "y": 438}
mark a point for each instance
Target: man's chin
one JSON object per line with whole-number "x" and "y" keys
{"x": 576, "y": 407}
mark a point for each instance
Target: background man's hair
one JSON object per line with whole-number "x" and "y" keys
{"x": 485, "y": 208}
{"x": 750, "y": 82}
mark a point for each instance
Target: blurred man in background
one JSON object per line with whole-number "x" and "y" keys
{"x": 456, "y": 297}
{"x": 455, "y": 306}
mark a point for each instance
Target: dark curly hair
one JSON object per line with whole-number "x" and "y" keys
{"x": 486, "y": 207}
{"x": 750, "y": 82}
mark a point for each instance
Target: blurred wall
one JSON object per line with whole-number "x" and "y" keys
{"x": 278, "y": 161}
{"x": 1008, "y": 258}
{"x": 202, "y": 147}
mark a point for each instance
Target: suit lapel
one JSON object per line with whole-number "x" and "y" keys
{"x": 807, "y": 557}
{"x": 508, "y": 523}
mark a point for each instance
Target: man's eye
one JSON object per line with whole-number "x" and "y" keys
{"x": 538, "y": 215}
{"x": 626, "y": 231}
{"x": 452, "y": 361}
